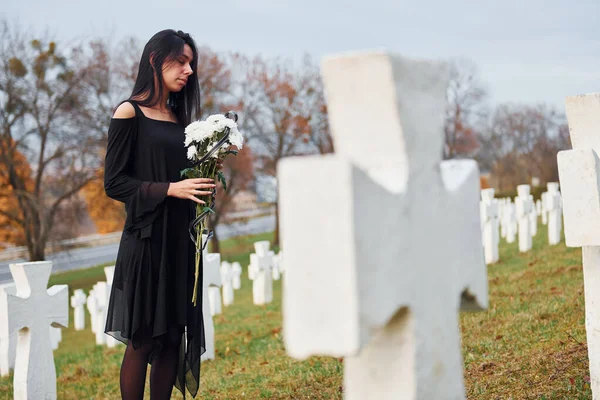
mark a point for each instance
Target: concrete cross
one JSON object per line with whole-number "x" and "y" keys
{"x": 77, "y": 302}
{"x": 31, "y": 311}
{"x": 579, "y": 173}
{"x": 259, "y": 270}
{"x": 490, "y": 222}
{"x": 387, "y": 247}
{"x": 236, "y": 269}
{"x": 8, "y": 346}
{"x": 211, "y": 277}
{"x": 524, "y": 205}
{"x": 227, "y": 282}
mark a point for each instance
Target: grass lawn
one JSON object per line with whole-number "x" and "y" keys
{"x": 530, "y": 344}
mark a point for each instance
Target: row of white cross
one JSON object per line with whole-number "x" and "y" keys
{"x": 502, "y": 218}
{"x": 396, "y": 228}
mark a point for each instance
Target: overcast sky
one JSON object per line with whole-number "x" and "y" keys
{"x": 526, "y": 50}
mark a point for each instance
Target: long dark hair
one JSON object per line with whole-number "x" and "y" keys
{"x": 167, "y": 46}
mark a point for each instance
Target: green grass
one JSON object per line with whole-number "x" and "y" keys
{"x": 530, "y": 344}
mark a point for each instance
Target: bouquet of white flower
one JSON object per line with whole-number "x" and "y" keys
{"x": 207, "y": 141}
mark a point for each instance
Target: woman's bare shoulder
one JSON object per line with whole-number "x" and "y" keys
{"x": 124, "y": 111}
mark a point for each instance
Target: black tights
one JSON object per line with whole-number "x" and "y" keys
{"x": 162, "y": 373}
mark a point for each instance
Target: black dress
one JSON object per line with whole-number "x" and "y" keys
{"x": 154, "y": 272}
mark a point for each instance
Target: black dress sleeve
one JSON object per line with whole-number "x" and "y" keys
{"x": 141, "y": 198}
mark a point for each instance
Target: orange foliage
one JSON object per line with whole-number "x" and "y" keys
{"x": 108, "y": 214}
{"x": 484, "y": 183}
{"x": 11, "y": 232}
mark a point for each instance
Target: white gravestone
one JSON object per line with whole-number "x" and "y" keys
{"x": 276, "y": 270}
{"x": 489, "y": 216}
{"x": 92, "y": 307}
{"x": 30, "y": 311}
{"x": 544, "y": 208}
{"x": 538, "y": 207}
{"x": 236, "y": 270}
{"x": 533, "y": 218}
{"x": 213, "y": 260}
{"x": 100, "y": 292}
{"x": 501, "y": 212}
{"x": 109, "y": 272}
{"x": 385, "y": 200}
{"x": 77, "y": 302}
{"x": 8, "y": 346}
{"x": 523, "y": 204}
{"x": 554, "y": 208}
{"x": 579, "y": 173}
{"x": 510, "y": 222}
{"x": 227, "y": 283}
{"x": 55, "y": 337}
{"x": 211, "y": 276}
{"x": 261, "y": 264}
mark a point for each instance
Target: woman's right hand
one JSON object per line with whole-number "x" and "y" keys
{"x": 190, "y": 188}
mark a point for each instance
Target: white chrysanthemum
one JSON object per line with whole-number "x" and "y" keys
{"x": 236, "y": 139}
{"x": 214, "y": 119}
{"x": 198, "y": 131}
{"x": 191, "y": 153}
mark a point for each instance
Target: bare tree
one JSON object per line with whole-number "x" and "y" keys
{"x": 521, "y": 142}
{"x": 40, "y": 97}
{"x": 466, "y": 107}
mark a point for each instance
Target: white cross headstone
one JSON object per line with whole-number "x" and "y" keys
{"x": 77, "y": 302}
{"x": 523, "y": 204}
{"x": 538, "y": 207}
{"x": 276, "y": 270}
{"x": 109, "y": 272}
{"x": 226, "y": 282}
{"x": 236, "y": 270}
{"x": 92, "y": 307}
{"x": 554, "y": 209}
{"x": 261, "y": 263}
{"x": 501, "y": 212}
{"x": 579, "y": 173}
{"x": 211, "y": 277}
{"x": 30, "y": 311}
{"x": 489, "y": 216}
{"x": 100, "y": 291}
{"x": 510, "y": 219}
{"x": 385, "y": 202}
{"x": 544, "y": 208}
{"x": 8, "y": 346}
{"x": 55, "y": 337}
{"x": 533, "y": 218}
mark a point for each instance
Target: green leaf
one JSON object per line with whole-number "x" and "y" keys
{"x": 222, "y": 179}
{"x": 234, "y": 152}
{"x": 208, "y": 209}
{"x": 188, "y": 173}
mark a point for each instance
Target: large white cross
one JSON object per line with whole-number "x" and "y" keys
{"x": 579, "y": 172}
{"x": 211, "y": 276}
{"x": 385, "y": 247}
{"x": 30, "y": 312}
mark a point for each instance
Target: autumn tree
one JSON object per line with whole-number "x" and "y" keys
{"x": 41, "y": 93}
{"x": 110, "y": 80}
{"x": 521, "y": 142}
{"x": 11, "y": 232}
{"x": 239, "y": 174}
{"x": 312, "y": 93}
{"x": 465, "y": 111}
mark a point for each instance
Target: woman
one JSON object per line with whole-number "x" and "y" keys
{"x": 150, "y": 307}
